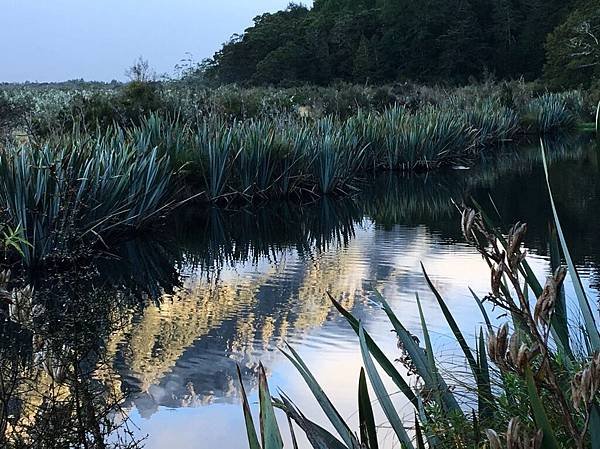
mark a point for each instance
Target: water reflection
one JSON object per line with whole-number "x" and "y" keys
{"x": 167, "y": 317}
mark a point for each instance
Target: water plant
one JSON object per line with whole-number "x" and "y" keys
{"x": 336, "y": 154}
{"x": 492, "y": 122}
{"x": 80, "y": 192}
{"x": 550, "y": 113}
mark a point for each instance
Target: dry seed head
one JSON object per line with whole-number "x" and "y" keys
{"x": 513, "y": 434}
{"x": 522, "y": 357}
{"x": 467, "y": 220}
{"x": 494, "y": 439}
{"x": 513, "y": 348}
{"x": 586, "y": 384}
{"x": 492, "y": 344}
{"x": 497, "y": 345}
{"x": 515, "y": 239}
{"x": 518, "y": 438}
{"x": 546, "y": 303}
{"x": 497, "y": 273}
{"x": 503, "y": 340}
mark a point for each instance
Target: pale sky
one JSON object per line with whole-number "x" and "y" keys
{"x": 57, "y": 40}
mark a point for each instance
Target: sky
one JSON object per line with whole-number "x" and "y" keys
{"x": 58, "y": 40}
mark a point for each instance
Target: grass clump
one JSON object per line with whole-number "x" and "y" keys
{"x": 553, "y": 112}
{"x": 80, "y": 191}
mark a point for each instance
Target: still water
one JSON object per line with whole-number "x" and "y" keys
{"x": 225, "y": 287}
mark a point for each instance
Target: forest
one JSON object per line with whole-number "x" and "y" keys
{"x": 430, "y": 41}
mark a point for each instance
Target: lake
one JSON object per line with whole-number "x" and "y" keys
{"x": 224, "y": 286}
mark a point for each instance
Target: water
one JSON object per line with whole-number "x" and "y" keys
{"x": 226, "y": 287}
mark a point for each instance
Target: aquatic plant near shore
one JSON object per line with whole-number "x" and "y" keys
{"x": 432, "y": 137}
{"x": 493, "y": 123}
{"x": 215, "y": 152}
{"x": 336, "y": 155}
{"x": 80, "y": 192}
{"x": 551, "y": 113}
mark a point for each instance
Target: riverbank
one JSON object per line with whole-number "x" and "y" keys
{"x": 63, "y": 190}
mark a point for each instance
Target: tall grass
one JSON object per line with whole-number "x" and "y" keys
{"x": 81, "y": 191}
{"x": 214, "y": 149}
{"x": 551, "y": 113}
{"x": 493, "y": 123}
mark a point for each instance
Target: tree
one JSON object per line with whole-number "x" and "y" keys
{"x": 449, "y": 41}
{"x": 141, "y": 71}
{"x": 573, "y": 48}
{"x": 462, "y": 49}
{"x": 363, "y": 65}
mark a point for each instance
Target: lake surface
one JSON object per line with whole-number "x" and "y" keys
{"x": 223, "y": 287}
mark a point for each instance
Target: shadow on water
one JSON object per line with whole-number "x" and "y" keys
{"x": 162, "y": 320}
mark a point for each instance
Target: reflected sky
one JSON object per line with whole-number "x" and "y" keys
{"x": 181, "y": 356}
{"x": 255, "y": 322}
{"x": 97, "y": 40}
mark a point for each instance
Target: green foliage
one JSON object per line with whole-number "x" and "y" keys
{"x": 70, "y": 192}
{"x": 383, "y": 41}
{"x": 236, "y": 144}
{"x": 551, "y": 112}
{"x": 573, "y": 48}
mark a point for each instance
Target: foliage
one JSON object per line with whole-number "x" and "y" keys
{"x": 79, "y": 190}
{"x": 378, "y": 41}
{"x": 235, "y": 144}
{"x": 552, "y": 112}
{"x": 573, "y": 48}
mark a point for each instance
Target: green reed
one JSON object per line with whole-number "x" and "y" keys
{"x": 81, "y": 191}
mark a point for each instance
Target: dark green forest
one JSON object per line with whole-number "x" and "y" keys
{"x": 430, "y": 41}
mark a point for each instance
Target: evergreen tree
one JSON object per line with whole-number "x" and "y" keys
{"x": 363, "y": 65}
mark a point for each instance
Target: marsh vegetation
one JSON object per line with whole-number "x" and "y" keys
{"x": 160, "y": 238}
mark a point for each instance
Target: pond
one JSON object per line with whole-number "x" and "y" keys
{"x": 220, "y": 287}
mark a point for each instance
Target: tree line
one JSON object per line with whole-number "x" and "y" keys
{"x": 431, "y": 41}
